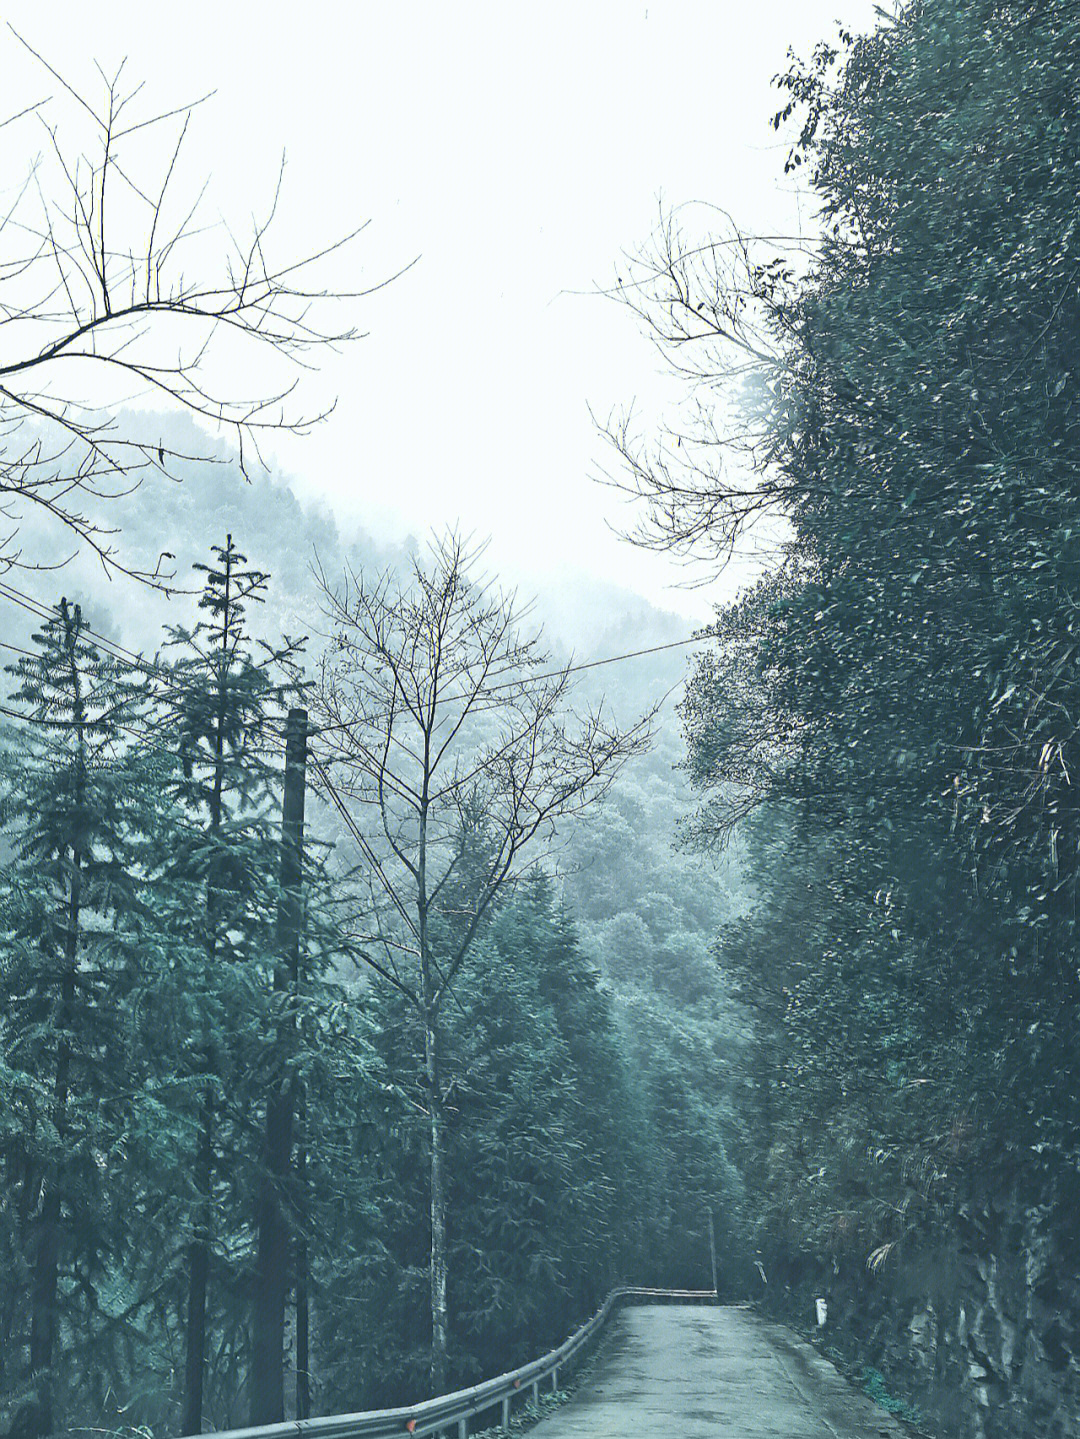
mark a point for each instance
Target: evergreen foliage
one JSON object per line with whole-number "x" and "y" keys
{"x": 890, "y": 722}
{"x": 83, "y": 807}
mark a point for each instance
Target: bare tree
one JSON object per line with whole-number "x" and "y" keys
{"x": 112, "y": 290}
{"x": 714, "y": 310}
{"x": 441, "y": 723}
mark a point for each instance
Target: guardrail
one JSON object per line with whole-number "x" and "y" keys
{"x": 453, "y": 1411}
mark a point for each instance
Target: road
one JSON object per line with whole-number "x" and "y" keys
{"x": 696, "y": 1370}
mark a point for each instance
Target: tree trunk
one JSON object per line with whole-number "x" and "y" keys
{"x": 44, "y": 1291}
{"x": 199, "y": 1249}
{"x": 198, "y": 1274}
{"x": 272, "y": 1269}
{"x": 439, "y": 1318}
{"x": 43, "y": 1311}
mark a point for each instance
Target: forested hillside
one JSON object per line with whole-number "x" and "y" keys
{"x": 889, "y": 723}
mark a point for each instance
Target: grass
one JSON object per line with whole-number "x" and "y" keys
{"x": 528, "y": 1416}
{"x": 873, "y": 1382}
{"x": 550, "y": 1401}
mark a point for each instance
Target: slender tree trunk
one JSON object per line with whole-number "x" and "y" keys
{"x": 198, "y": 1273}
{"x": 44, "y": 1289}
{"x": 272, "y": 1270}
{"x": 439, "y": 1313}
{"x": 440, "y": 1324}
{"x": 303, "y": 1302}
{"x": 14, "y": 1179}
{"x": 199, "y": 1249}
{"x": 43, "y": 1311}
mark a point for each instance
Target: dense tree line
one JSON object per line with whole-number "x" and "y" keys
{"x": 891, "y": 720}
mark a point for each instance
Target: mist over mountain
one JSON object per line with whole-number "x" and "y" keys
{"x": 169, "y": 525}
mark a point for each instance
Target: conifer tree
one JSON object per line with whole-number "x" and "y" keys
{"x": 80, "y": 802}
{"x": 225, "y": 695}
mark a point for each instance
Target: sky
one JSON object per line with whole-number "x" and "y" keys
{"x": 514, "y": 152}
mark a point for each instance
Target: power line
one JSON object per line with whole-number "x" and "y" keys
{"x": 135, "y": 661}
{"x": 128, "y": 658}
{"x": 517, "y": 684}
{"x": 46, "y": 612}
{"x": 593, "y": 664}
{"x": 112, "y": 647}
{"x": 144, "y": 735}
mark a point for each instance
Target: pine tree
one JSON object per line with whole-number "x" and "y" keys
{"x": 225, "y": 702}
{"x": 80, "y": 803}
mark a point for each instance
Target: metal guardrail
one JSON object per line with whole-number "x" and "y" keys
{"x": 450, "y": 1411}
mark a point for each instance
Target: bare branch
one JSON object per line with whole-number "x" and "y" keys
{"x": 454, "y": 732}
{"x": 94, "y": 284}
{"x": 715, "y": 311}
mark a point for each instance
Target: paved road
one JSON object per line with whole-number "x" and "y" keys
{"x": 695, "y": 1370}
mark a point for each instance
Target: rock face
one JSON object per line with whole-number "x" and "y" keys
{"x": 978, "y": 1331}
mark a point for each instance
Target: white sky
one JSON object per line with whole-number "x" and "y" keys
{"x": 518, "y": 150}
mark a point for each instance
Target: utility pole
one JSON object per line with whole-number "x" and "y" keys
{"x": 303, "y": 1338}
{"x": 272, "y": 1272}
{"x": 292, "y": 838}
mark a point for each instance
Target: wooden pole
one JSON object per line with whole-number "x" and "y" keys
{"x": 303, "y": 1292}
{"x": 272, "y": 1263}
{"x": 296, "y": 736}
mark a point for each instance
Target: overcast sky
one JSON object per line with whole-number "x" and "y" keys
{"x": 518, "y": 150}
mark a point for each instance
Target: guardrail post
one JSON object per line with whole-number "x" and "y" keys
{"x": 463, "y": 1429}
{"x": 506, "y": 1412}
{"x": 555, "y": 1379}
{"x": 536, "y": 1393}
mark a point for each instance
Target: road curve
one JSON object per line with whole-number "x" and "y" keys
{"x": 697, "y": 1370}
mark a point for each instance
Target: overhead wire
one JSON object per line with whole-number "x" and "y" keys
{"x": 116, "y": 651}
{"x": 113, "y": 648}
{"x": 136, "y": 661}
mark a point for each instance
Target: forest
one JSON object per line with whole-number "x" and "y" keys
{"x": 889, "y": 720}
{"x": 384, "y": 979}
{"x": 154, "y": 1027}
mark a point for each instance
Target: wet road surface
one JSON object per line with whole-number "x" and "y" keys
{"x": 697, "y": 1370}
